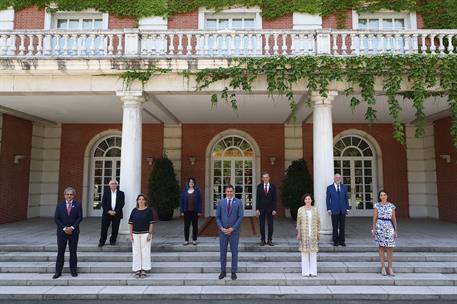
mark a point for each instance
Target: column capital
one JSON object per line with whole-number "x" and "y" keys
{"x": 125, "y": 94}
{"x": 317, "y": 99}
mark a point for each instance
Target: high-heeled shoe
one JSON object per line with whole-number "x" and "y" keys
{"x": 383, "y": 271}
{"x": 391, "y": 272}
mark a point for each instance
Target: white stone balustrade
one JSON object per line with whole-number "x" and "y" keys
{"x": 198, "y": 43}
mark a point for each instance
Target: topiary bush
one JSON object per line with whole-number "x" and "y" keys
{"x": 296, "y": 182}
{"x": 163, "y": 188}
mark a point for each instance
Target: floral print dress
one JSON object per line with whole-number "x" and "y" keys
{"x": 385, "y": 230}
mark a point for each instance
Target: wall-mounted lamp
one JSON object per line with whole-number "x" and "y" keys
{"x": 192, "y": 160}
{"x": 18, "y": 158}
{"x": 446, "y": 157}
{"x": 272, "y": 160}
{"x": 150, "y": 160}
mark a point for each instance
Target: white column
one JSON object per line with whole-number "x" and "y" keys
{"x": 323, "y": 170}
{"x": 130, "y": 179}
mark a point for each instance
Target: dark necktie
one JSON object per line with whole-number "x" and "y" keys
{"x": 338, "y": 188}
{"x": 229, "y": 206}
{"x": 266, "y": 190}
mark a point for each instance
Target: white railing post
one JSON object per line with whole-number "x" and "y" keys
{"x": 132, "y": 42}
{"x": 323, "y": 42}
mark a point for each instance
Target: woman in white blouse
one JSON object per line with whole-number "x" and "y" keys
{"x": 308, "y": 225}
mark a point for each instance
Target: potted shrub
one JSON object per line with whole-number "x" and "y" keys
{"x": 296, "y": 182}
{"x": 163, "y": 188}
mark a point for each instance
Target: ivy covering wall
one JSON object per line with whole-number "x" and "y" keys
{"x": 428, "y": 75}
{"x": 437, "y": 13}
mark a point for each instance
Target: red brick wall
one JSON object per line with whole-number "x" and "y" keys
{"x": 270, "y": 138}
{"x": 184, "y": 21}
{"x": 29, "y": 18}
{"x": 75, "y": 138}
{"x": 446, "y": 177}
{"x": 14, "y": 178}
{"x": 330, "y": 21}
{"x": 420, "y": 21}
{"x": 115, "y": 22}
{"x": 284, "y": 22}
{"x": 393, "y": 159}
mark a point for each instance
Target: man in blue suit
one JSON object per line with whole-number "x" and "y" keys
{"x": 67, "y": 217}
{"x": 229, "y": 214}
{"x": 337, "y": 207}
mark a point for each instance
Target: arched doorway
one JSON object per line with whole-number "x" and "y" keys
{"x": 105, "y": 165}
{"x": 233, "y": 161}
{"x": 355, "y": 160}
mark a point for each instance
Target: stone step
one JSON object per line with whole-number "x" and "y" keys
{"x": 97, "y": 256}
{"x": 244, "y": 279}
{"x": 144, "y": 292}
{"x": 243, "y": 247}
{"x": 214, "y": 267}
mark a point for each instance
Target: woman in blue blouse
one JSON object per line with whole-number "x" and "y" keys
{"x": 190, "y": 205}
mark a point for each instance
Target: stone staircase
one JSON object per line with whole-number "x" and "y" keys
{"x": 178, "y": 272}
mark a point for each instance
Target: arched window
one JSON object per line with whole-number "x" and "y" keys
{"x": 354, "y": 159}
{"x": 105, "y": 166}
{"x": 232, "y": 162}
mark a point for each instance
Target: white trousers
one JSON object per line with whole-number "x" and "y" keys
{"x": 309, "y": 264}
{"x": 141, "y": 249}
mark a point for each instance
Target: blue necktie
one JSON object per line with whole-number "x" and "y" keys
{"x": 229, "y": 206}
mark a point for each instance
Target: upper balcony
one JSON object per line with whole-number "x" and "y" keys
{"x": 145, "y": 44}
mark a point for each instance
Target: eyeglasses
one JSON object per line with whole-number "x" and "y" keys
{"x": 69, "y": 194}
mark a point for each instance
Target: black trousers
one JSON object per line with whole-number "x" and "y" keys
{"x": 190, "y": 217}
{"x": 269, "y": 216}
{"x": 62, "y": 240}
{"x": 106, "y": 221}
{"x": 338, "y": 221}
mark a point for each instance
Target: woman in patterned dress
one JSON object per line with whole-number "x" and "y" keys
{"x": 308, "y": 235}
{"x": 385, "y": 229}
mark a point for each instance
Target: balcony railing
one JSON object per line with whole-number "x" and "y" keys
{"x": 156, "y": 44}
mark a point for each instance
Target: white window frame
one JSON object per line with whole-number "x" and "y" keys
{"x": 50, "y": 19}
{"x": 240, "y": 12}
{"x": 409, "y": 17}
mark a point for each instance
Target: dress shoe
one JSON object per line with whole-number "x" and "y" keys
{"x": 335, "y": 244}
{"x": 56, "y": 275}
{"x": 234, "y": 276}
{"x": 222, "y": 275}
{"x": 101, "y": 245}
{"x": 74, "y": 273}
{"x": 343, "y": 244}
{"x": 270, "y": 243}
{"x": 262, "y": 243}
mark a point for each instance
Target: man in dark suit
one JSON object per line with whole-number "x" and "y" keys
{"x": 229, "y": 214}
{"x": 337, "y": 207}
{"x": 112, "y": 203}
{"x": 266, "y": 207}
{"x": 67, "y": 217}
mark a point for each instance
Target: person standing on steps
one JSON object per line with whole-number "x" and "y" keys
{"x": 67, "y": 216}
{"x": 113, "y": 202}
{"x": 385, "y": 230}
{"x": 229, "y": 214}
{"x": 190, "y": 206}
{"x": 338, "y": 208}
{"x": 266, "y": 208}
{"x": 308, "y": 228}
{"x": 141, "y": 229}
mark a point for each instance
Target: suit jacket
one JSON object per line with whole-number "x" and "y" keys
{"x": 337, "y": 202}
{"x": 232, "y": 219}
{"x": 120, "y": 202}
{"x": 62, "y": 219}
{"x": 266, "y": 202}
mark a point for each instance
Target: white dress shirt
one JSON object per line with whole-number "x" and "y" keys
{"x": 113, "y": 200}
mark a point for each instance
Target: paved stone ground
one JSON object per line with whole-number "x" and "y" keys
{"x": 412, "y": 232}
